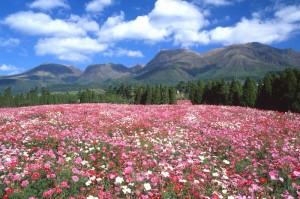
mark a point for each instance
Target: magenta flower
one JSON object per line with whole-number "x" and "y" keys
{"x": 78, "y": 160}
{"x": 75, "y": 178}
{"x": 24, "y": 183}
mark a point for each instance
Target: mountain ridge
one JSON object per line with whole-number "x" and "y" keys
{"x": 167, "y": 66}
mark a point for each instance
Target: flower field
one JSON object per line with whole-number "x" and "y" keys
{"x": 155, "y": 151}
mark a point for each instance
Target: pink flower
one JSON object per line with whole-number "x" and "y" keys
{"x": 64, "y": 184}
{"x": 75, "y": 170}
{"x": 128, "y": 170}
{"x": 273, "y": 175}
{"x": 24, "y": 183}
{"x": 78, "y": 160}
{"x": 92, "y": 157}
{"x": 154, "y": 180}
{"x": 47, "y": 165}
{"x": 75, "y": 178}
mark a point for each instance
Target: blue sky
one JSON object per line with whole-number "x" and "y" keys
{"x": 81, "y": 33}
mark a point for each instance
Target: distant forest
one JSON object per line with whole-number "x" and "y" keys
{"x": 280, "y": 92}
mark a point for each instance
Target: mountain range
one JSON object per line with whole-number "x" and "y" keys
{"x": 167, "y": 67}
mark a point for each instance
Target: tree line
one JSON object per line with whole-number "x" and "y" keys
{"x": 126, "y": 93}
{"x": 44, "y": 97}
{"x": 279, "y": 92}
{"x": 276, "y": 91}
{"x": 145, "y": 94}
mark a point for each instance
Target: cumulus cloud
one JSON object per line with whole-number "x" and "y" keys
{"x": 188, "y": 27}
{"x": 49, "y": 4}
{"x": 9, "y": 42}
{"x": 121, "y": 52}
{"x": 279, "y": 28}
{"x": 70, "y": 49}
{"x": 116, "y": 29}
{"x": 97, "y": 5}
{"x": 164, "y": 22}
{"x": 41, "y": 24}
{"x": 9, "y": 69}
{"x": 129, "y": 53}
{"x": 213, "y": 2}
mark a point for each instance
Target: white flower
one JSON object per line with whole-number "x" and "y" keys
{"x": 98, "y": 179}
{"x": 84, "y": 162}
{"x": 147, "y": 186}
{"x": 119, "y": 180}
{"x": 88, "y": 183}
{"x": 215, "y": 174}
{"x": 92, "y": 178}
{"x": 149, "y": 172}
{"x": 196, "y": 181}
{"x": 68, "y": 159}
{"x": 165, "y": 174}
{"x": 226, "y": 161}
{"x": 206, "y": 170}
{"x": 126, "y": 190}
{"x": 92, "y": 197}
{"x": 201, "y": 157}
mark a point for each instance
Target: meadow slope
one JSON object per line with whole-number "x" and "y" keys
{"x": 155, "y": 151}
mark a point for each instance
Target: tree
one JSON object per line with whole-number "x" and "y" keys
{"x": 8, "y": 99}
{"x": 249, "y": 93}
{"x": 192, "y": 92}
{"x": 286, "y": 89}
{"x": 45, "y": 96}
{"x": 172, "y": 95}
{"x": 32, "y": 97}
{"x": 165, "y": 95}
{"x": 235, "y": 93}
{"x": 138, "y": 95}
{"x": 148, "y": 95}
{"x": 157, "y": 95}
{"x": 207, "y": 94}
{"x": 265, "y": 92}
{"x": 224, "y": 92}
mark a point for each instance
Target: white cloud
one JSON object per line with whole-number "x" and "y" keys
{"x": 85, "y": 23}
{"x": 97, "y": 5}
{"x": 9, "y": 42}
{"x": 71, "y": 49}
{"x": 129, "y": 53}
{"x": 164, "y": 22}
{"x": 279, "y": 28}
{"x": 9, "y": 69}
{"x": 120, "y": 52}
{"x": 42, "y": 24}
{"x": 116, "y": 29}
{"x": 187, "y": 27}
{"x": 48, "y": 4}
{"x": 213, "y": 2}
{"x": 290, "y": 14}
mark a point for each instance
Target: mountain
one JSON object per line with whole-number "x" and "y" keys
{"x": 251, "y": 59}
{"x": 42, "y": 75}
{"x": 168, "y": 66}
{"x": 100, "y": 73}
{"x": 136, "y": 68}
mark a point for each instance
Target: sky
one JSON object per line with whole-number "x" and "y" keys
{"x": 130, "y": 32}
